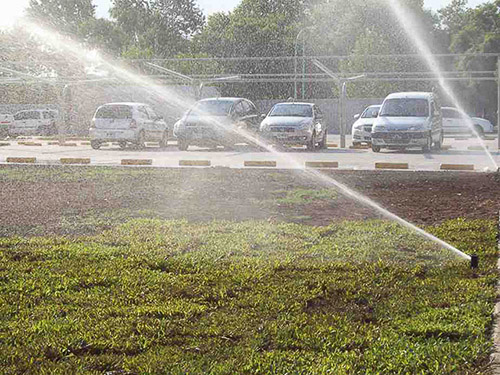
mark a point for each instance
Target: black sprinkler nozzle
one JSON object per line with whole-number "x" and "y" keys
{"x": 474, "y": 261}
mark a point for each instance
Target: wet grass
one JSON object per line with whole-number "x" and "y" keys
{"x": 172, "y": 297}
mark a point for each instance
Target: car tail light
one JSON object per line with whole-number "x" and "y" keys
{"x": 133, "y": 124}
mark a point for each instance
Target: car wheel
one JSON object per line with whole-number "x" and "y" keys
{"x": 164, "y": 140}
{"x": 141, "y": 140}
{"x": 122, "y": 145}
{"x": 479, "y": 130}
{"x": 95, "y": 144}
{"x": 428, "y": 145}
{"x": 375, "y": 148}
{"x": 182, "y": 144}
{"x": 312, "y": 142}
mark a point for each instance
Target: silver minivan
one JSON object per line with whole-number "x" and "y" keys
{"x": 135, "y": 123}
{"x": 407, "y": 120}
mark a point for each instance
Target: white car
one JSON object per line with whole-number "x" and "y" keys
{"x": 5, "y": 122}
{"x": 34, "y": 122}
{"x": 408, "y": 120}
{"x": 455, "y": 122}
{"x": 362, "y": 128}
{"x": 125, "y": 123}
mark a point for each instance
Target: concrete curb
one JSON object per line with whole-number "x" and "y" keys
{"x": 21, "y": 160}
{"x": 266, "y": 163}
{"x": 321, "y": 164}
{"x": 75, "y": 160}
{"x": 195, "y": 163}
{"x": 136, "y": 162}
{"x": 391, "y": 166}
{"x": 457, "y": 167}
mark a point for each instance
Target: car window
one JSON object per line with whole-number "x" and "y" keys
{"x": 405, "y": 107}
{"x": 291, "y": 110}
{"x": 27, "y": 115}
{"x": 246, "y": 107}
{"x": 450, "y": 113}
{"x": 239, "y": 109}
{"x": 318, "y": 112}
{"x": 143, "y": 113}
{"x": 114, "y": 112}
{"x": 212, "y": 108}
{"x": 49, "y": 115}
{"x": 152, "y": 114}
{"x": 370, "y": 112}
{"x": 253, "y": 109}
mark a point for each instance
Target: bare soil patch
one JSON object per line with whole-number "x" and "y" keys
{"x": 75, "y": 200}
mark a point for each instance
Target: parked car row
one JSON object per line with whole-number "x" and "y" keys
{"x": 211, "y": 123}
{"x": 415, "y": 119}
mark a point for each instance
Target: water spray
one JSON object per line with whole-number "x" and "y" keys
{"x": 409, "y": 25}
{"x": 162, "y": 92}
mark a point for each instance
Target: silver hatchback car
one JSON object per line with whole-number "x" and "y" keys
{"x": 125, "y": 123}
{"x": 295, "y": 124}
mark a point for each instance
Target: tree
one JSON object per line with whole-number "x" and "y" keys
{"x": 475, "y": 31}
{"x": 65, "y": 16}
{"x": 164, "y": 26}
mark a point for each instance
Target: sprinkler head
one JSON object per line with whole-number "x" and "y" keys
{"x": 474, "y": 261}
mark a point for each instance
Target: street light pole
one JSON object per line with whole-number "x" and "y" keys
{"x": 295, "y": 60}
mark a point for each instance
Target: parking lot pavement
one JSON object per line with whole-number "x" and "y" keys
{"x": 463, "y": 151}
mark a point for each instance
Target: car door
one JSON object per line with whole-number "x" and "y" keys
{"x": 319, "y": 126}
{"x": 157, "y": 124}
{"x": 145, "y": 123}
{"x": 455, "y": 123}
{"x": 251, "y": 116}
{"x": 448, "y": 121}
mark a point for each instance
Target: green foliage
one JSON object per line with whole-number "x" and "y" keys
{"x": 64, "y": 16}
{"x": 164, "y": 26}
{"x": 172, "y": 297}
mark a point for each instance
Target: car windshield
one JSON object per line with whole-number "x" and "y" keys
{"x": 28, "y": 115}
{"x": 114, "y": 112}
{"x": 291, "y": 110}
{"x": 370, "y": 112}
{"x": 405, "y": 107}
{"x": 212, "y": 108}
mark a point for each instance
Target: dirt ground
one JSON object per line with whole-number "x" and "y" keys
{"x": 41, "y": 200}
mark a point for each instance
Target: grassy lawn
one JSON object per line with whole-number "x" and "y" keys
{"x": 255, "y": 297}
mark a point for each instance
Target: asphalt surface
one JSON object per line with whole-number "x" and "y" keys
{"x": 285, "y": 158}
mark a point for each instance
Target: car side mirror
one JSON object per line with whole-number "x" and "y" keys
{"x": 357, "y": 116}
{"x": 375, "y": 114}
{"x": 263, "y": 116}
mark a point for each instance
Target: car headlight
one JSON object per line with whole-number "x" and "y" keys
{"x": 358, "y": 127}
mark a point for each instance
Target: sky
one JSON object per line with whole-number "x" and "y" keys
{"x": 12, "y": 9}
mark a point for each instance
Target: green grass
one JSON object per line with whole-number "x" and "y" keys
{"x": 172, "y": 297}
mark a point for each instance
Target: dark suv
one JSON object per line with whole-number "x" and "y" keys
{"x": 218, "y": 122}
